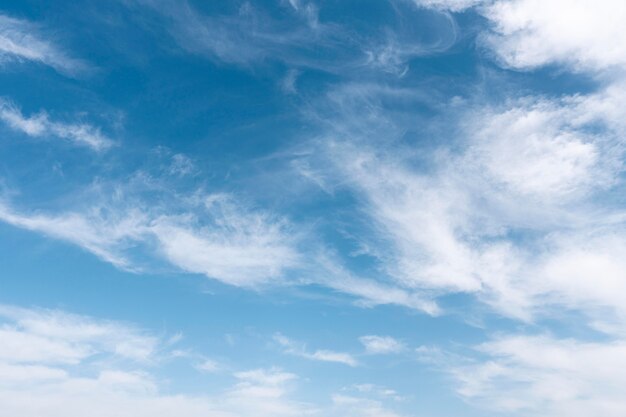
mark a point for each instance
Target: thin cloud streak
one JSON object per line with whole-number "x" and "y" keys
{"x": 40, "y": 126}
{"x": 21, "y": 40}
{"x": 292, "y": 347}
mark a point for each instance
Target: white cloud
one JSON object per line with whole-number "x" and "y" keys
{"x": 40, "y": 125}
{"x": 208, "y": 365}
{"x": 214, "y": 236}
{"x": 380, "y": 345}
{"x": 244, "y": 249}
{"x": 533, "y": 166}
{"x": 369, "y": 293}
{"x": 299, "y": 349}
{"x": 525, "y": 34}
{"x": 21, "y": 40}
{"x": 350, "y": 406}
{"x": 182, "y": 165}
{"x": 49, "y": 337}
{"x": 254, "y": 35}
{"x": 552, "y": 148}
{"x": 210, "y": 234}
{"x": 583, "y": 34}
{"x": 451, "y": 5}
{"x": 76, "y": 367}
{"x": 541, "y": 375}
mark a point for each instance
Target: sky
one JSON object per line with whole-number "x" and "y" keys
{"x": 337, "y": 208}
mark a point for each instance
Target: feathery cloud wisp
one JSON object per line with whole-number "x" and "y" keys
{"x": 21, "y": 40}
{"x": 40, "y": 125}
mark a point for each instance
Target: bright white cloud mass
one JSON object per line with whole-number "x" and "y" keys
{"x": 397, "y": 208}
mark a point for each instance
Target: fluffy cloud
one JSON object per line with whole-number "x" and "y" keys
{"x": 582, "y": 34}
{"x": 527, "y": 34}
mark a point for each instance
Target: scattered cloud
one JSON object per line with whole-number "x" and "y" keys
{"x": 21, "y": 40}
{"x": 54, "y": 363}
{"x": 215, "y": 237}
{"x": 40, "y": 125}
{"x": 381, "y": 345}
{"x": 543, "y": 375}
{"x": 299, "y": 349}
{"x": 55, "y": 337}
{"x": 208, "y": 365}
{"x": 351, "y": 406}
{"x": 457, "y": 227}
{"x": 451, "y": 5}
{"x": 253, "y": 35}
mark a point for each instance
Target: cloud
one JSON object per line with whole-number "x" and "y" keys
{"x": 492, "y": 208}
{"x": 543, "y": 375}
{"x": 527, "y": 34}
{"x": 552, "y": 148}
{"x": 208, "y": 365}
{"x": 299, "y": 39}
{"x": 40, "y": 125}
{"x": 21, "y": 40}
{"x": 54, "y": 363}
{"x": 215, "y": 237}
{"x": 299, "y": 349}
{"x": 328, "y": 271}
{"x": 381, "y": 345}
{"x": 55, "y": 337}
{"x": 350, "y": 406}
{"x": 451, "y": 5}
{"x": 198, "y": 232}
{"x": 580, "y": 34}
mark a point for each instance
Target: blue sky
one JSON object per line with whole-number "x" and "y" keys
{"x": 373, "y": 208}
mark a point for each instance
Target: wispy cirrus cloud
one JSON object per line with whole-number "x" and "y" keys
{"x": 542, "y": 374}
{"x": 41, "y": 126}
{"x": 214, "y": 237}
{"x": 295, "y": 348}
{"x": 21, "y": 40}
{"x": 54, "y": 363}
{"x": 449, "y": 227}
{"x": 49, "y": 337}
{"x": 451, "y": 5}
{"x": 253, "y": 35}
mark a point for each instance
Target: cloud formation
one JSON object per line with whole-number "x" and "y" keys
{"x": 253, "y": 35}
{"x": 299, "y": 349}
{"x": 543, "y": 375}
{"x": 21, "y": 40}
{"x": 40, "y": 125}
{"x": 381, "y": 345}
{"x": 215, "y": 237}
{"x": 54, "y": 363}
